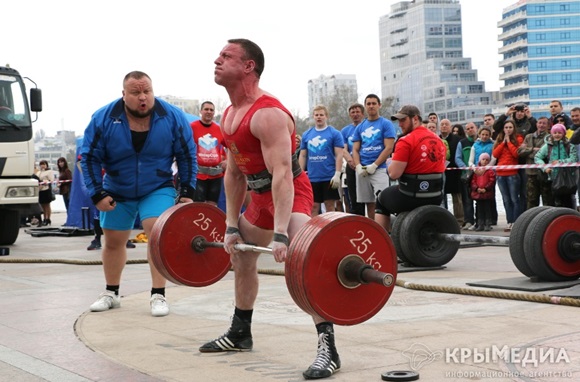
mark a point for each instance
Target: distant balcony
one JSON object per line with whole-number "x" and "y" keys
{"x": 512, "y": 19}
{"x": 519, "y": 99}
{"x": 514, "y": 73}
{"x": 516, "y": 86}
{"x": 399, "y": 30}
{"x": 514, "y": 59}
{"x": 399, "y": 56}
{"x": 515, "y": 45}
{"x": 400, "y": 42}
{"x": 513, "y": 32}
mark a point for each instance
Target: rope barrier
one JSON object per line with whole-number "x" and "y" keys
{"x": 66, "y": 261}
{"x": 46, "y": 182}
{"x": 539, "y": 298}
{"x": 516, "y": 166}
{"x": 546, "y": 299}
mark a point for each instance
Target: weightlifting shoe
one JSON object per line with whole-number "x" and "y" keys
{"x": 159, "y": 306}
{"x": 327, "y": 361}
{"x": 237, "y": 338}
{"x": 107, "y": 300}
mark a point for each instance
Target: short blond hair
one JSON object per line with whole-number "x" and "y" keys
{"x": 320, "y": 107}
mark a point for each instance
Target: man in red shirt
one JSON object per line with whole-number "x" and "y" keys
{"x": 260, "y": 136}
{"x": 211, "y": 156}
{"x": 418, "y": 162}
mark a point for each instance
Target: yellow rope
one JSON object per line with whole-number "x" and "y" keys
{"x": 540, "y": 298}
{"x": 66, "y": 261}
{"x": 546, "y": 299}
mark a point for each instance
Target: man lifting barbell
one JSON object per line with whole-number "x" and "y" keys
{"x": 259, "y": 133}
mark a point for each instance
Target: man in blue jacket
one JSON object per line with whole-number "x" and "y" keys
{"x": 128, "y": 149}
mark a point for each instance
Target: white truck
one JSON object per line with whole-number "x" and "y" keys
{"x": 18, "y": 190}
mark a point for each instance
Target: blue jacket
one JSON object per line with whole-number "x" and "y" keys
{"x": 107, "y": 145}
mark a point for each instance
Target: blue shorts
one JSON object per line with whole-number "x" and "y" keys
{"x": 122, "y": 218}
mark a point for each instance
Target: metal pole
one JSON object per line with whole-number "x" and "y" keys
{"x": 360, "y": 273}
{"x": 503, "y": 240}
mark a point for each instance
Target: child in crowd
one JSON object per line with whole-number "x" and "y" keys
{"x": 483, "y": 192}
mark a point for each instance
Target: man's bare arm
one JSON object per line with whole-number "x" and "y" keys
{"x": 387, "y": 151}
{"x": 272, "y": 127}
{"x": 235, "y": 186}
{"x": 396, "y": 169}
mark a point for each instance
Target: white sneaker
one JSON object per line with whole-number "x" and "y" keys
{"x": 107, "y": 300}
{"x": 467, "y": 226}
{"x": 159, "y": 306}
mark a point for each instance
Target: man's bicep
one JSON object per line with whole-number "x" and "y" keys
{"x": 272, "y": 127}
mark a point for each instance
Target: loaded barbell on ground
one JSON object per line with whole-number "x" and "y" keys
{"x": 544, "y": 242}
{"x": 352, "y": 271}
{"x": 339, "y": 266}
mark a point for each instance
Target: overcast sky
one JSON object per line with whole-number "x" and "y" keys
{"x": 78, "y": 52}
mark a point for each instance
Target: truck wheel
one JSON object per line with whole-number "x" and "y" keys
{"x": 9, "y": 226}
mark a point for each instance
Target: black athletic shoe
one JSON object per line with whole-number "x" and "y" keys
{"x": 95, "y": 244}
{"x": 130, "y": 244}
{"x": 327, "y": 361}
{"x": 237, "y": 338}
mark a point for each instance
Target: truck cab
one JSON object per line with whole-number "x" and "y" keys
{"x": 18, "y": 190}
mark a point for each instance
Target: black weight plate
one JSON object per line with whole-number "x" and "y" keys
{"x": 518, "y": 237}
{"x": 400, "y": 375}
{"x": 422, "y": 245}
{"x": 397, "y": 237}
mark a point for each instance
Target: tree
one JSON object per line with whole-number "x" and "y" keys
{"x": 338, "y": 104}
{"x": 302, "y": 124}
{"x": 39, "y": 135}
{"x": 220, "y": 106}
{"x": 389, "y": 107}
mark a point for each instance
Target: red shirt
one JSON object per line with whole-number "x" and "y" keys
{"x": 242, "y": 144}
{"x": 210, "y": 146}
{"x": 423, "y": 151}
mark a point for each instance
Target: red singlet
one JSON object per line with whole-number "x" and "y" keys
{"x": 247, "y": 152}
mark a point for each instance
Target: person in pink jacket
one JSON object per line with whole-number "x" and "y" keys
{"x": 483, "y": 192}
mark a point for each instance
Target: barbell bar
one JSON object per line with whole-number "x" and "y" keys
{"x": 352, "y": 270}
{"x": 499, "y": 240}
{"x": 573, "y": 242}
{"x": 339, "y": 266}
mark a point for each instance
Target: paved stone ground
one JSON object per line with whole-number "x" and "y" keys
{"x": 46, "y": 333}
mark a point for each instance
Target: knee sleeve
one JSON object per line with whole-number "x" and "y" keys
{"x": 379, "y": 208}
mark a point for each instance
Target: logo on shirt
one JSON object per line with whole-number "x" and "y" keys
{"x": 370, "y": 132}
{"x": 316, "y": 144}
{"x": 207, "y": 142}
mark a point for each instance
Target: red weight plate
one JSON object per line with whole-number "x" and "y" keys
{"x": 294, "y": 264}
{"x": 171, "y": 249}
{"x": 316, "y": 252}
{"x": 552, "y": 235}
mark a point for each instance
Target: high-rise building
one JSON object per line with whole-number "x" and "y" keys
{"x": 541, "y": 54}
{"x": 422, "y": 63}
{"x": 323, "y": 88}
